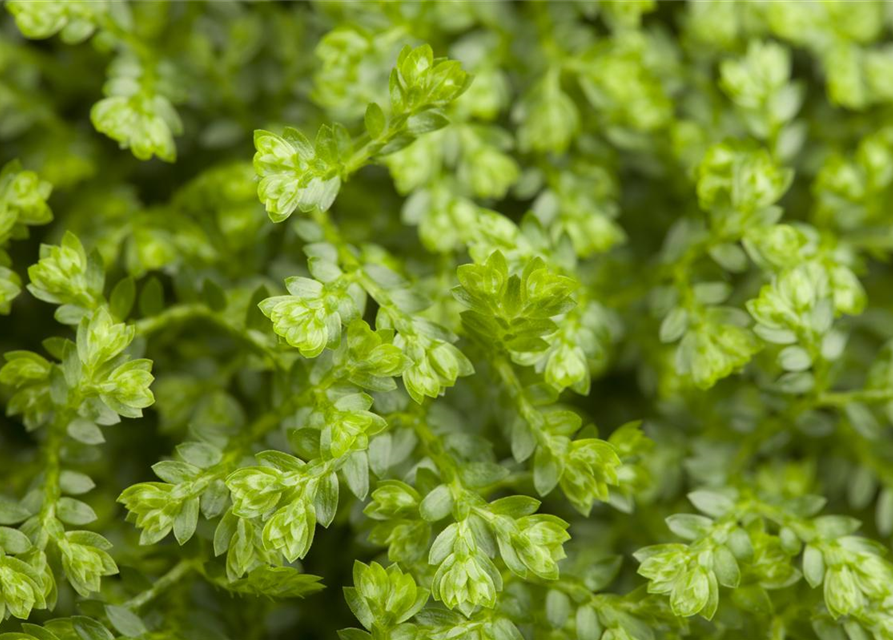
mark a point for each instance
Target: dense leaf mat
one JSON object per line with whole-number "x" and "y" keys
{"x": 352, "y": 387}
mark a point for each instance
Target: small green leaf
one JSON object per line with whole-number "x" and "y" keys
{"x": 213, "y": 295}
{"x": 12, "y": 512}
{"x": 85, "y": 431}
{"x": 89, "y": 629}
{"x": 437, "y": 504}
{"x": 375, "y": 120}
{"x": 151, "y": 300}
{"x": 813, "y": 566}
{"x": 75, "y": 483}
{"x": 75, "y": 512}
{"x": 122, "y": 298}
{"x": 125, "y": 621}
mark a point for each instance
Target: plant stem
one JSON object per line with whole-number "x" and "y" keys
{"x": 842, "y": 398}
{"x": 171, "y": 315}
{"x": 194, "y": 311}
{"x": 402, "y": 321}
{"x": 433, "y": 445}
{"x": 526, "y": 410}
{"x": 52, "y": 469}
{"x": 239, "y": 446}
{"x": 164, "y": 582}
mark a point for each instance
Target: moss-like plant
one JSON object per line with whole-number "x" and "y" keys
{"x": 350, "y": 389}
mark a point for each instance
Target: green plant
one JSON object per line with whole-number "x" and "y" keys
{"x": 350, "y": 388}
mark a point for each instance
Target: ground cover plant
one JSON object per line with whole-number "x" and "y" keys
{"x": 446, "y": 320}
